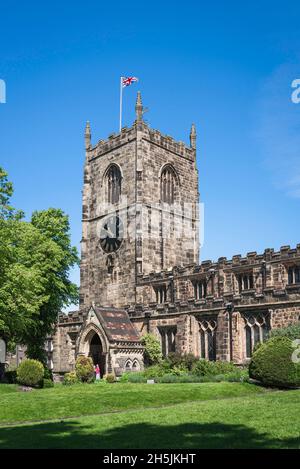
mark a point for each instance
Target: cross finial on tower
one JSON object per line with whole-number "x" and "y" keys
{"x": 139, "y": 110}
{"x": 193, "y": 136}
{"x": 87, "y": 136}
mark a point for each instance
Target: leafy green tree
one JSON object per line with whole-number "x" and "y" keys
{"x": 152, "y": 351}
{"x": 54, "y": 226}
{"x": 22, "y": 290}
{"x": 6, "y": 191}
{"x": 35, "y": 260}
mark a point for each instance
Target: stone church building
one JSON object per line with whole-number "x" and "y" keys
{"x": 140, "y": 269}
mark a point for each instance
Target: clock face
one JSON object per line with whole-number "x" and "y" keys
{"x": 111, "y": 234}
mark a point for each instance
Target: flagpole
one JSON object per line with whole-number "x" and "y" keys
{"x": 121, "y": 98}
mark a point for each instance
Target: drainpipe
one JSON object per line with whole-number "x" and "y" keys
{"x": 229, "y": 309}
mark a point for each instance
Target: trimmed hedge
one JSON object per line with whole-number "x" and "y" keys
{"x": 84, "y": 369}
{"x": 30, "y": 372}
{"x": 70, "y": 378}
{"x": 110, "y": 378}
{"x": 272, "y": 364}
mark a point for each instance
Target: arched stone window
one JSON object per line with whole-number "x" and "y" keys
{"x": 113, "y": 184}
{"x": 135, "y": 366}
{"x": 128, "y": 365}
{"x": 168, "y": 185}
{"x": 207, "y": 332}
{"x": 168, "y": 341}
{"x": 256, "y": 331}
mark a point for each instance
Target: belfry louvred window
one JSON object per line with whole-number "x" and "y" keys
{"x": 113, "y": 177}
{"x": 200, "y": 289}
{"x": 294, "y": 274}
{"x": 161, "y": 294}
{"x": 168, "y": 185}
{"x": 245, "y": 281}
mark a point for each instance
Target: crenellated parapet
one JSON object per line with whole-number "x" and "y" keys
{"x": 247, "y": 281}
{"x": 127, "y": 135}
{"x": 113, "y": 142}
{"x": 155, "y": 137}
{"x": 286, "y": 254}
{"x": 72, "y": 317}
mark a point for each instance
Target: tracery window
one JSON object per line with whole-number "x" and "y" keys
{"x": 208, "y": 345}
{"x": 168, "y": 185}
{"x": 113, "y": 184}
{"x": 167, "y": 337}
{"x": 257, "y": 327}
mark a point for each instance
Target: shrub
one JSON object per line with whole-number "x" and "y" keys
{"x": 183, "y": 378}
{"x": 137, "y": 377}
{"x": 152, "y": 352}
{"x": 156, "y": 370}
{"x": 47, "y": 383}
{"x": 272, "y": 363}
{"x": 292, "y": 331}
{"x": 203, "y": 368}
{"x": 208, "y": 368}
{"x": 48, "y": 374}
{"x": 222, "y": 367}
{"x": 178, "y": 370}
{"x": 11, "y": 375}
{"x": 124, "y": 378}
{"x": 70, "y": 378}
{"x": 237, "y": 376}
{"x": 84, "y": 369}
{"x": 185, "y": 361}
{"x": 30, "y": 372}
{"x": 110, "y": 378}
{"x": 168, "y": 378}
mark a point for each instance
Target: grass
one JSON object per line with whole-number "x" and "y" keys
{"x": 86, "y": 399}
{"x": 210, "y": 415}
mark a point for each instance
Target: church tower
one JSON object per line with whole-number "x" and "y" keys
{"x": 140, "y": 211}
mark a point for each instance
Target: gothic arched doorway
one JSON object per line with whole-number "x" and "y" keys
{"x": 96, "y": 353}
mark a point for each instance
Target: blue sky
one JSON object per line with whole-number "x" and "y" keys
{"x": 225, "y": 65}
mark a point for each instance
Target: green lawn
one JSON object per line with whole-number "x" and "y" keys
{"x": 207, "y": 415}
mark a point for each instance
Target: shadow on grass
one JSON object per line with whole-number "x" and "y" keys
{"x": 73, "y": 434}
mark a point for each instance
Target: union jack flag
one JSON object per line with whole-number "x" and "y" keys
{"x": 126, "y": 81}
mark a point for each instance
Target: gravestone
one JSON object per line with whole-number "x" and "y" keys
{"x": 2, "y": 358}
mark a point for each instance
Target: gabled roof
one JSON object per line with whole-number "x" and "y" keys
{"x": 117, "y": 324}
